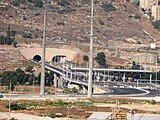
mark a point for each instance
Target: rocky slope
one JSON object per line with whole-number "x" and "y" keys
{"x": 71, "y": 22}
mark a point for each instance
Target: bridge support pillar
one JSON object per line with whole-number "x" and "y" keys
{"x": 55, "y": 81}
{"x": 84, "y": 90}
{"x": 71, "y": 76}
{"x": 98, "y": 77}
{"x": 124, "y": 77}
{"x": 60, "y": 82}
{"x": 150, "y": 78}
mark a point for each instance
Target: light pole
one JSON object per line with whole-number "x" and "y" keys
{"x": 156, "y": 72}
{"x": 68, "y": 113}
{"x": 69, "y": 107}
{"x": 91, "y": 57}
{"x": 43, "y": 57}
{"x": 9, "y": 106}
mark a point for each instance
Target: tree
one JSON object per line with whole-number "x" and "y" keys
{"x": 2, "y": 39}
{"x": 29, "y": 69}
{"x": 15, "y": 43}
{"x": 135, "y": 66}
{"x": 38, "y": 3}
{"x": 101, "y": 59}
{"x": 8, "y": 39}
{"x": 85, "y": 58}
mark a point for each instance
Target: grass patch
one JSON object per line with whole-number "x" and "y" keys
{"x": 64, "y": 104}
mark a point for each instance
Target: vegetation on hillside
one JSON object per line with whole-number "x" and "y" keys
{"x": 9, "y": 39}
{"x": 101, "y": 59}
{"x": 108, "y": 7}
{"x": 156, "y": 24}
{"x": 26, "y": 77}
{"x": 37, "y": 3}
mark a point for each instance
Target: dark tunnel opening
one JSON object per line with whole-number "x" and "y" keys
{"x": 37, "y": 58}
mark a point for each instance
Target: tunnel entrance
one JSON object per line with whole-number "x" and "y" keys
{"x": 37, "y": 58}
{"x": 58, "y": 58}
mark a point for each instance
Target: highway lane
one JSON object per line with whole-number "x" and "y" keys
{"x": 153, "y": 93}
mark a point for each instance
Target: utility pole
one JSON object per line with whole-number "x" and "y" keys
{"x": 91, "y": 55}
{"x": 43, "y": 57}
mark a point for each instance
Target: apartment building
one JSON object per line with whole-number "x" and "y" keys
{"x": 146, "y": 4}
{"x": 153, "y": 6}
{"x": 155, "y": 12}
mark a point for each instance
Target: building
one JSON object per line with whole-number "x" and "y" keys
{"x": 153, "y": 6}
{"x": 155, "y": 12}
{"x": 144, "y": 58}
{"x": 146, "y": 4}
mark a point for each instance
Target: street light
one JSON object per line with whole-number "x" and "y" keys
{"x": 69, "y": 107}
{"x": 9, "y": 106}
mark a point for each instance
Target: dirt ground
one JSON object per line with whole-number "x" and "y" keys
{"x": 83, "y": 112}
{"x": 104, "y": 104}
{"x": 29, "y": 90}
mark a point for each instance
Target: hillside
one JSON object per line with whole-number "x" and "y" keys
{"x": 71, "y": 22}
{"x": 11, "y": 59}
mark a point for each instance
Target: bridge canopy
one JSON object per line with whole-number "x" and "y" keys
{"x": 58, "y": 58}
{"x": 111, "y": 70}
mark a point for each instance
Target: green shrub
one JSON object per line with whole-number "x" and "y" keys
{"x": 15, "y": 106}
{"x": 17, "y": 2}
{"x": 63, "y": 3}
{"x": 3, "y": 39}
{"x": 62, "y": 103}
{"x": 135, "y": 3}
{"x": 156, "y": 25}
{"x": 13, "y": 119}
{"x": 108, "y": 7}
{"x": 32, "y": 1}
{"x": 38, "y": 3}
{"x": 137, "y": 17}
{"x": 101, "y": 22}
{"x": 59, "y": 103}
{"x": 65, "y": 10}
{"x": 13, "y": 33}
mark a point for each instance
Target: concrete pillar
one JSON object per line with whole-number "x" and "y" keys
{"x": 71, "y": 76}
{"x": 150, "y": 78}
{"x": 67, "y": 71}
{"x": 124, "y": 77}
{"x": 84, "y": 90}
{"x": 98, "y": 77}
{"x": 55, "y": 81}
{"x": 61, "y": 79}
{"x": 104, "y": 77}
{"x": 59, "y": 82}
